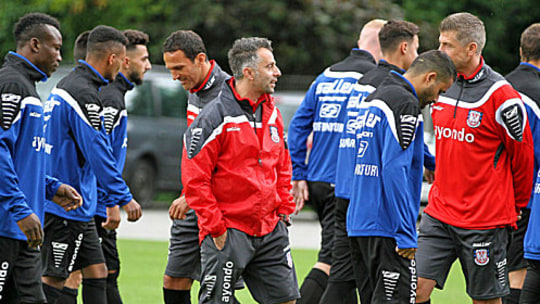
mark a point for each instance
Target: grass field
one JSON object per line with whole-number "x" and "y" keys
{"x": 143, "y": 264}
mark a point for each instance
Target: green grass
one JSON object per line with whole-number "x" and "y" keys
{"x": 143, "y": 264}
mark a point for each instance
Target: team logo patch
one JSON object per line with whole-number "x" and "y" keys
{"x": 274, "y": 134}
{"x": 474, "y": 118}
{"x": 329, "y": 110}
{"x": 481, "y": 256}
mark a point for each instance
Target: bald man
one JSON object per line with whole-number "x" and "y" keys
{"x": 321, "y": 112}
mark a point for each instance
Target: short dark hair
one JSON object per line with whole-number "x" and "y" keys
{"x": 186, "y": 41}
{"x": 79, "y": 49}
{"x": 530, "y": 43}
{"x": 244, "y": 54}
{"x": 394, "y": 32}
{"x": 468, "y": 28}
{"x": 32, "y": 25}
{"x": 104, "y": 39}
{"x": 434, "y": 61}
{"x": 135, "y": 38}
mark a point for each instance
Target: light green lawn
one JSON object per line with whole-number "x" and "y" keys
{"x": 143, "y": 264}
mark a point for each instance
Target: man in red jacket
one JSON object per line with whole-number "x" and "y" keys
{"x": 484, "y": 171}
{"x": 236, "y": 171}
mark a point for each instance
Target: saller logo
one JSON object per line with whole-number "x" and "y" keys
{"x": 329, "y": 110}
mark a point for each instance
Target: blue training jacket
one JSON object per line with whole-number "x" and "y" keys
{"x": 81, "y": 153}
{"x": 114, "y": 117}
{"x": 24, "y": 185}
{"x": 526, "y": 80}
{"x": 321, "y": 112}
{"x": 385, "y": 196}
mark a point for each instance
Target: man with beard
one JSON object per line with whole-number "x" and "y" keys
{"x": 114, "y": 113}
{"x": 82, "y": 155}
{"x": 385, "y": 200}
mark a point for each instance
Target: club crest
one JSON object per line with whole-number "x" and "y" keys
{"x": 481, "y": 256}
{"x": 274, "y": 134}
{"x": 474, "y": 118}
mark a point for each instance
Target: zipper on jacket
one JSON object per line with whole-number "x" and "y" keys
{"x": 462, "y": 80}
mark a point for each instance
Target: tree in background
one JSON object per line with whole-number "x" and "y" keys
{"x": 504, "y": 21}
{"x": 308, "y": 35}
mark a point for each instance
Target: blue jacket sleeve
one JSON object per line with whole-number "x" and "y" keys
{"x": 51, "y": 186}
{"x": 96, "y": 149}
{"x": 429, "y": 159}
{"x": 299, "y": 129}
{"x": 12, "y": 199}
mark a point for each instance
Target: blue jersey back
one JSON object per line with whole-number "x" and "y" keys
{"x": 322, "y": 112}
{"x": 385, "y": 196}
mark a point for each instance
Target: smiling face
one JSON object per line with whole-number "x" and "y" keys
{"x": 266, "y": 73}
{"x": 48, "y": 59}
{"x": 189, "y": 73}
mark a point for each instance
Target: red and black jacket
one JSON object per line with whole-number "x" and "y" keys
{"x": 236, "y": 168}
{"x": 484, "y": 153}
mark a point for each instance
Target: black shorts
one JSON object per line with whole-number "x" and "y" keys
{"x": 68, "y": 246}
{"x": 107, "y": 238}
{"x": 322, "y": 199}
{"x": 530, "y": 294}
{"x": 342, "y": 269}
{"x": 391, "y": 278}
{"x": 20, "y": 273}
{"x": 516, "y": 259}
{"x": 482, "y": 254}
{"x": 264, "y": 262}
{"x": 184, "y": 259}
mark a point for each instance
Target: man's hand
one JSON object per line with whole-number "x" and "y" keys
{"x": 179, "y": 208}
{"x": 300, "y": 193}
{"x": 133, "y": 210}
{"x": 406, "y": 252}
{"x": 31, "y": 227}
{"x": 429, "y": 176}
{"x": 67, "y": 197}
{"x": 220, "y": 240}
{"x": 113, "y": 218}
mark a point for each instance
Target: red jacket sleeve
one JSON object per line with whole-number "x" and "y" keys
{"x": 517, "y": 139}
{"x": 196, "y": 178}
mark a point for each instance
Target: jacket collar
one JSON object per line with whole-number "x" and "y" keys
{"x": 481, "y": 73}
{"x": 528, "y": 66}
{"x": 96, "y": 77}
{"x": 243, "y": 101}
{"x": 26, "y": 67}
{"x": 356, "y": 52}
{"x": 399, "y": 79}
{"x": 390, "y": 66}
{"x": 123, "y": 83}
{"x": 210, "y": 78}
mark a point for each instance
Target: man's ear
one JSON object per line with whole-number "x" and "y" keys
{"x": 110, "y": 58}
{"x": 472, "y": 48}
{"x": 431, "y": 78}
{"x": 126, "y": 63}
{"x": 248, "y": 73}
{"x": 403, "y": 47}
{"x": 200, "y": 58}
{"x": 35, "y": 45}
